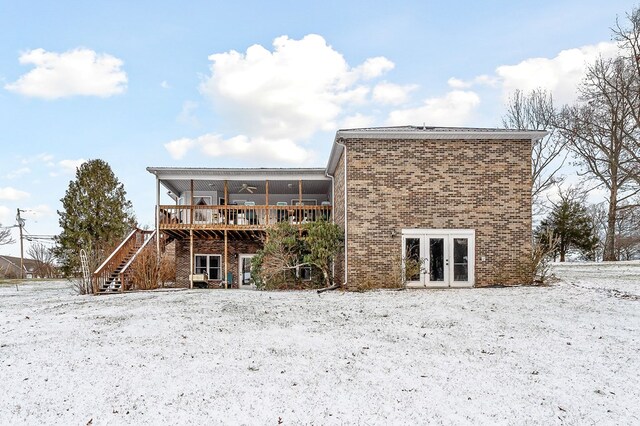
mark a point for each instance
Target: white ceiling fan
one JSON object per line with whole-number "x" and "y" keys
{"x": 248, "y": 188}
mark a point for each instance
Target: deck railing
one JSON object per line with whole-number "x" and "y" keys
{"x": 120, "y": 255}
{"x": 238, "y": 217}
{"x": 126, "y": 273}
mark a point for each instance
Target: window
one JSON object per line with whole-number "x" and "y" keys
{"x": 209, "y": 264}
{"x": 304, "y": 273}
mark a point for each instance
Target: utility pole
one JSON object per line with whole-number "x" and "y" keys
{"x": 21, "y": 225}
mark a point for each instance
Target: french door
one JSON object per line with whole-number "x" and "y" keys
{"x": 438, "y": 257}
{"x": 244, "y": 275}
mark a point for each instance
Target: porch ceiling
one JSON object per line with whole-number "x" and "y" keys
{"x": 178, "y": 186}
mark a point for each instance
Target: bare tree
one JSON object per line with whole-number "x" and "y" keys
{"x": 5, "y": 235}
{"x": 598, "y": 214}
{"x": 535, "y": 111}
{"x": 44, "y": 258}
{"x": 628, "y": 234}
{"x": 598, "y": 130}
{"x": 628, "y": 37}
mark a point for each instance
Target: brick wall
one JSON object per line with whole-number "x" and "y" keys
{"x": 460, "y": 184}
{"x": 202, "y": 246}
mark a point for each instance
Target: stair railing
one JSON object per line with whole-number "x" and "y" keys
{"x": 124, "y": 273}
{"x": 104, "y": 271}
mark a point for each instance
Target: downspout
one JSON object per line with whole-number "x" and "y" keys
{"x": 344, "y": 149}
{"x": 333, "y": 216}
{"x": 346, "y": 215}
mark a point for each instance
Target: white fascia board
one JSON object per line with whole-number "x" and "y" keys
{"x": 237, "y": 174}
{"x": 444, "y": 134}
{"x": 334, "y": 157}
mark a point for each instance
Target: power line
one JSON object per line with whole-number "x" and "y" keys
{"x": 31, "y": 237}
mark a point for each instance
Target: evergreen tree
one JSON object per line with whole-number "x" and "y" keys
{"x": 96, "y": 216}
{"x": 570, "y": 224}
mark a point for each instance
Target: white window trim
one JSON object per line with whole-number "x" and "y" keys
{"x": 438, "y": 231}
{"x": 208, "y": 255}
{"x": 427, "y": 232}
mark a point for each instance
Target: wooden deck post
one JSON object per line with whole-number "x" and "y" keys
{"x": 191, "y": 258}
{"x": 226, "y": 259}
{"x": 267, "y": 201}
{"x": 226, "y": 211}
{"x": 191, "y": 207}
{"x": 158, "y": 219}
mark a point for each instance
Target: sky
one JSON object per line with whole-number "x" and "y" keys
{"x": 258, "y": 84}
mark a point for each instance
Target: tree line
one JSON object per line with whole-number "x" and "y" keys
{"x": 599, "y": 135}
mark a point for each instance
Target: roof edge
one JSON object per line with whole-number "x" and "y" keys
{"x": 204, "y": 173}
{"x": 463, "y": 134}
{"x": 431, "y": 134}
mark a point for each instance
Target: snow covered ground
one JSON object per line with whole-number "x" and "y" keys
{"x": 564, "y": 354}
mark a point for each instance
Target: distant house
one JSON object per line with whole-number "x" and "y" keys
{"x": 456, "y": 200}
{"x": 10, "y": 268}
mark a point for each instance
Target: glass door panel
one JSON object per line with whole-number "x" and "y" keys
{"x": 436, "y": 259}
{"x": 437, "y": 274}
{"x": 412, "y": 260}
{"x": 244, "y": 278}
{"x": 461, "y": 259}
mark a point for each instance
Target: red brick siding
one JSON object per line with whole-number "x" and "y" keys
{"x": 201, "y": 246}
{"x": 394, "y": 184}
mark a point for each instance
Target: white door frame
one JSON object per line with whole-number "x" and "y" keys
{"x": 448, "y": 235}
{"x": 251, "y": 286}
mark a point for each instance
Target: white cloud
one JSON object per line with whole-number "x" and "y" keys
{"x": 453, "y": 109}
{"x": 560, "y": 74}
{"x": 70, "y": 166}
{"x": 356, "y": 121}
{"x": 299, "y": 88}
{"x": 165, "y": 84}
{"x": 392, "y": 94}
{"x": 75, "y": 72}
{"x": 254, "y": 150}
{"x": 178, "y": 148}
{"x": 9, "y": 193}
{"x": 39, "y": 211}
{"x": 7, "y": 216}
{"x": 186, "y": 115}
{"x": 40, "y": 158}
{"x": 456, "y": 83}
{"x": 18, "y": 173}
{"x": 374, "y": 67}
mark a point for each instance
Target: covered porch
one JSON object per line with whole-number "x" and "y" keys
{"x": 223, "y": 207}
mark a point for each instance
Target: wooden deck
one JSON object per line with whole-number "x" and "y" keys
{"x": 241, "y": 221}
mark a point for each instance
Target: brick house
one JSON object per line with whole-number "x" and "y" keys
{"x": 455, "y": 200}
{"x": 458, "y": 199}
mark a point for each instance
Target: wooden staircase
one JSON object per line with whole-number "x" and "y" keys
{"x": 111, "y": 276}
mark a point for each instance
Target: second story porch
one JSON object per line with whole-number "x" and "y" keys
{"x": 210, "y": 202}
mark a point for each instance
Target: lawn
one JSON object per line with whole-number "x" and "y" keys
{"x": 564, "y": 354}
